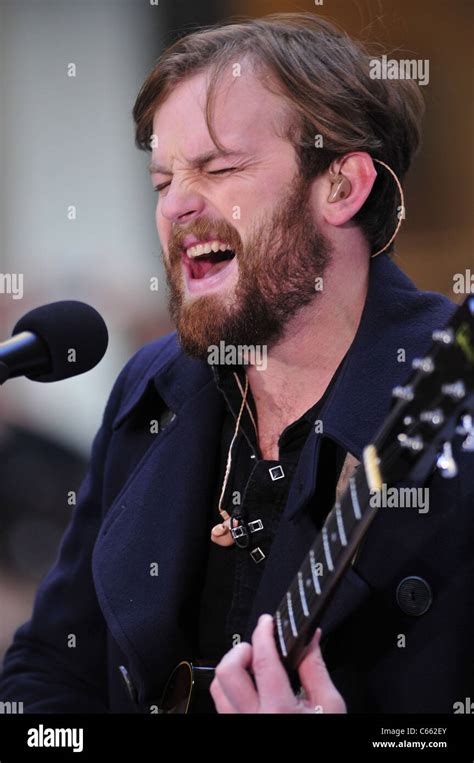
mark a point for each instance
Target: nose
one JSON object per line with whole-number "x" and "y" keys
{"x": 181, "y": 204}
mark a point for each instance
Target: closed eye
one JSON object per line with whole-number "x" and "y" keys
{"x": 162, "y": 186}
{"x": 225, "y": 169}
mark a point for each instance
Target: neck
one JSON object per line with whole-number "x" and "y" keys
{"x": 302, "y": 363}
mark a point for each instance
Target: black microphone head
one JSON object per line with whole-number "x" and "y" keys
{"x": 74, "y": 333}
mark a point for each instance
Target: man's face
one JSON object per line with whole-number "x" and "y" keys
{"x": 251, "y": 204}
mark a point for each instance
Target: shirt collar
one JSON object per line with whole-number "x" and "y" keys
{"x": 226, "y": 382}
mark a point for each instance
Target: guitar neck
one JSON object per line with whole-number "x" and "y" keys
{"x": 322, "y": 568}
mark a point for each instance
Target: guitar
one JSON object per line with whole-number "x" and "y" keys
{"x": 429, "y": 412}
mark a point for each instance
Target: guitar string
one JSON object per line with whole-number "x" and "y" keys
{"x": 300, "y": 619}
{"x": 311, "y": 595}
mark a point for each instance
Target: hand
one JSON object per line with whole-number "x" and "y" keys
{"x": 234, "y": 691}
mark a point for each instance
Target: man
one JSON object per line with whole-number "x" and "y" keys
{"x": 272, "y": 202}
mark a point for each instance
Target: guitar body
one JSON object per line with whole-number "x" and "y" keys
{"x": 187, "y": 690}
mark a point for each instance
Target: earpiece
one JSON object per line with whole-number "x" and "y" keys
{"x": 341, "y": 187}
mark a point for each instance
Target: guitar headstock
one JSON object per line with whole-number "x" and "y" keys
{"x": 434, "y": 407}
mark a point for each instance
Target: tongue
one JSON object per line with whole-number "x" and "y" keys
{"x": 202, "y": 267}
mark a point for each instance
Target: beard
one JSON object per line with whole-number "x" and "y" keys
{"x": 277, "y": 270}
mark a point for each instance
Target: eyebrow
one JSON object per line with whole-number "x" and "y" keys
{"x": 198, "y": 162}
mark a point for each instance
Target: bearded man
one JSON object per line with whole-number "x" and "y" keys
{"x": 277, "y": 158}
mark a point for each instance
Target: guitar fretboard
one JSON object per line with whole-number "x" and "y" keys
{"x": 323, "y": 566}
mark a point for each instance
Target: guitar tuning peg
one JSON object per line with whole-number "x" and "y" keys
{"x": 468, "y": 444}
{"x": 403, "y": 393}
{"x": 423, "y": 364}
{"x": 415, "y": 444}
{"x": 466, "y": 427}
{"x": 444, "y": 336}
{"x": 446, "y": 463}
{"x": 435, "y": 417}
{"x": 455, "y": 391}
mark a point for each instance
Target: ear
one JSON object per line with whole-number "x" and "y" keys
{"x": 359, "y": 170}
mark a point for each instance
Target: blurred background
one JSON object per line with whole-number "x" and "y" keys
{"x": 77, "y": 212}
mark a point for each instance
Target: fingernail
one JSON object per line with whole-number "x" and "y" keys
{"x": 317, "y": 636}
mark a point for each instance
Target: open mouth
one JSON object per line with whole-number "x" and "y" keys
{"x": 207, "y": 265}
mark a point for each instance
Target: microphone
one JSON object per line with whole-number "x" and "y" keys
{"x": 54, "y": 342}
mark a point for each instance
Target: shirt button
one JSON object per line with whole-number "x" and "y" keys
{"x": 276, "y": 473}
{"x": 257, "y": 555}
{"x": 414, "y": 596}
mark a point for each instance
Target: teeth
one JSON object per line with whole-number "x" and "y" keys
{"x": 207, "y": 248}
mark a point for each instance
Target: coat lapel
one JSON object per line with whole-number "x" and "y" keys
{"x": 151, "y": 549}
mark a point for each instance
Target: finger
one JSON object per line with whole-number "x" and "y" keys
{"x": 317, "y": 682}
{"x": 233, "y": 678}
{"x": 221, "y": 702}
{"x": 270, "y": 676}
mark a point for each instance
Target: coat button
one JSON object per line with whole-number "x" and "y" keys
{"x": 128, "y": 683}
{"x": 414, "y": 596}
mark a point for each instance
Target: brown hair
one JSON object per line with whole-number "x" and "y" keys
{"x": 324, "y": 77}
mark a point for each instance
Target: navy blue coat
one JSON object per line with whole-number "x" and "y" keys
{"x": 146, "y": 500}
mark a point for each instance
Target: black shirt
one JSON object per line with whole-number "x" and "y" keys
{"x": 257, "y": 489}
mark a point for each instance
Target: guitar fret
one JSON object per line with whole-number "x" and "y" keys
{"x": 340, "y": 525}
{"x": 314, "y": 572}
{"x": 291, "y": 614}
{"x": 281, "y": 639}
{"x": 327, "y": 550}
{"x": 304, "y": 603}
{"x": 355, "y": 498}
